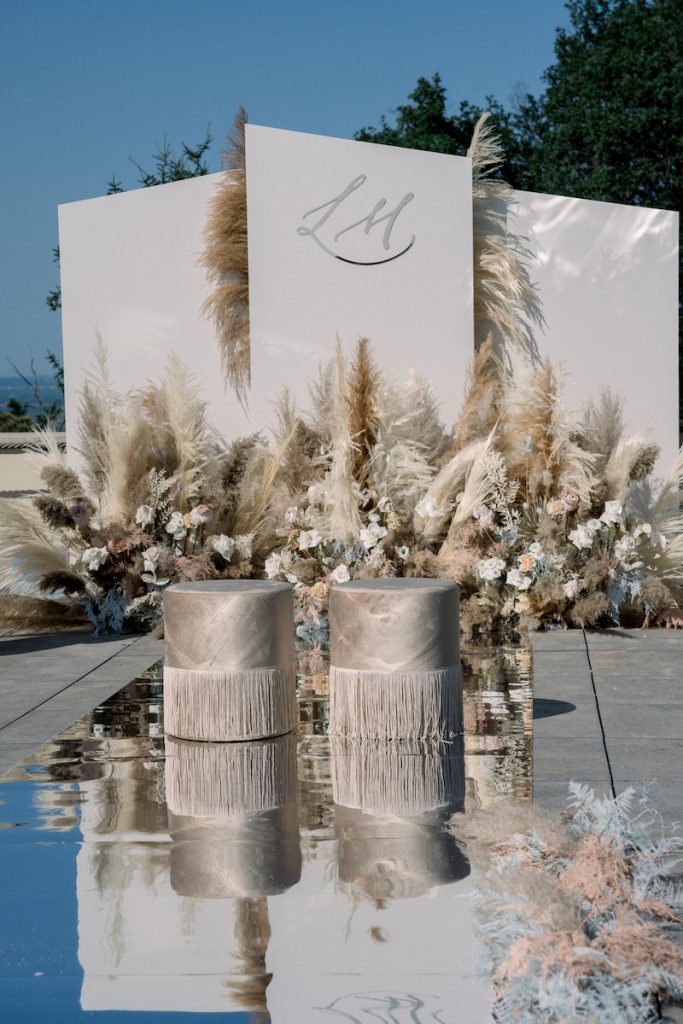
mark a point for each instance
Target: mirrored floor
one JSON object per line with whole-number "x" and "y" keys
{"x": 292, "y": 880}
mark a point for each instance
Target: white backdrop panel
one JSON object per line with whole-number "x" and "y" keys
{"x": 415, "y": 306}
{"x": 607, "y": 277}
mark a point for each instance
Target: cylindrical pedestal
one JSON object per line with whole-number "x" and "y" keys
{"x": 395, "y": 660}
{"x": 229, "y": 671}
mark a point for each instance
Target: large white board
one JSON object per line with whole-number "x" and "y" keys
{"x": 607, "y": 279}
{"x": 352, "y": 239}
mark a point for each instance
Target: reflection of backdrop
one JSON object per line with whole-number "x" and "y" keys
{"x": 156, "y": 931}
{"x": 606, "y": 275}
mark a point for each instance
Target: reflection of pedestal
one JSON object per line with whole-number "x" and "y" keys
{"x": 233, "y": 817}
{"x": 392, "y": 804}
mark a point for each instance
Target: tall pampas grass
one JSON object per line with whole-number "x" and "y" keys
{"x": 484, "y": 390}
{"x": 342, "y": 520}
{"x": 361, "y": 402}
{"x": 446, "y": 486}
{"x": 30, "y": 551}
{"x": 478, "y": 490}
{"x": 504, "y": 298}
{"x": 666, "y": 518}
{"x": 227, "y": 264}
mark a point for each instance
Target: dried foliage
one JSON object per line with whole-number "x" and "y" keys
{"x": 576, "y": 915}
{"x": 226, "y": 261}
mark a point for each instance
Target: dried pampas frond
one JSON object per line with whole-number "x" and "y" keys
{"x": 444, "y": 489}
{"x": 30, "y": 550}
{"x": 226, "y": 261}
{"x": 342, "y": 521}
{"x": 479, "y": 487}
{"x": 361, "y": 402}
{"x": 97, "y": 421}
{"x": 666, "y": 518}
{"x": 483, "y": 393}
{"x": 631, "y": 459}
{"x": 505, "y": 301}
{"x": 410, "y": 415}
{"x": 21, "y": 613}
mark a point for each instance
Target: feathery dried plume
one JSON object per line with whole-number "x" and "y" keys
{"x": 536, "y": 438}
{"x": 258, "y": 492}
{"x": 505, "y": 300}
{"x": 410, "y": 415}
{"x": 29, "y": 549}
{"x": 445, "y": 487}
{"x": 478, "y": 489}
{"x": 631, "y": 459}
{"x": 177, "y": 417}
{"x": 342, "y": 521}
{"x": 321, "y": 391}
{"x": 483, "y": 393}
{"x": 602, "y": 425}
{"x": 298, "y": 467}
{"x": 97, "y": 421}
{"x": 361, "y": 402}
{"x": 21, "y": 613}
{"x": 666, "y": 518}
{"x": 227, "y": 264}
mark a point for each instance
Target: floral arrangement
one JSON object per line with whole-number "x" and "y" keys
{"x": 575, "y": 915}
{"x": 540, "y": 520}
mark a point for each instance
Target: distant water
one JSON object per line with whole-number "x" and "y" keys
{"x": 14, "y": 387}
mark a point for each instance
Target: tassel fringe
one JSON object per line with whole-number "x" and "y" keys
{"x": 395, "y": 705}
{"x": 207, "y": 780}
{"x": 247, "y": 705}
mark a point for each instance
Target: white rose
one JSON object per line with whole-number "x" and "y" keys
{"x": 581, "y": 537}
{"x": 340, "y": 574}
{"x": 427, "y": 508}
{"x": 385, "y": 505}
{"x": 199, "y": 515}
{"x": 612, "y": 512}
{"x": 518, "y": 580}
{"x": 371, "y": 534}
{"x": 292, "y": 514}
{"x": 309, "y": 539}
{"x": 491, "y": 568}
{"x": 273, "y": 563}
{"x": 151, "y": 557}
{"x": 224, "y": 546}
{"x": 624, "y": 547}
{"x": 94, "y": 558}
{"x": 485, "y": 516}
{"x": 403, "y": 552}
{"x": 144, "y": 516}
{"x": 176, "y": 527}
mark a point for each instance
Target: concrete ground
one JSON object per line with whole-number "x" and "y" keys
{"x": 608, "y": 710}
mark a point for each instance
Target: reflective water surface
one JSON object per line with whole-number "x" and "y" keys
{"x": 292, "y": 880}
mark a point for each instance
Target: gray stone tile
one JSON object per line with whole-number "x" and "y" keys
{"x": 553, "y": 796}
{"x": 647, "y": 760}
{"x": 557, "y": 717}
{"x": 563, "y": 758}
{"x": 649, "y": 664}
{"x": 663, "y": 797}
{"x": 559, "y": 640}
{"x": 643, "y": 720}
{"x": 39, "y": 726}
{"x": 638, "y": 689}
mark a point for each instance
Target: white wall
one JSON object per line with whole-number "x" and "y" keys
{"x": 607, "y": 277}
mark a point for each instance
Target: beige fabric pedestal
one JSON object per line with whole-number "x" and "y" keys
{"x": 395, "y": 660}
{"x": 229, "y": 671}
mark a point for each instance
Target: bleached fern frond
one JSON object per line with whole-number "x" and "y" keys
{"x": 30, "y": 550}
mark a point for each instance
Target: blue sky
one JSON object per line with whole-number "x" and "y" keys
{"x": 84, "y": 86}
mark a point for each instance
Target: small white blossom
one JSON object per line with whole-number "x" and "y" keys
{"x": 292, "y": 514}
{"x": 571, "y": 589}
{"x": 176, "y": 527}
{"x": 151, "y": 558}
{"x": 199, "y": 515}
{"x": 385, "y": 505}
{"x": 612, "y": 512}
{"x": 371, "y": 534}
{"x": 309, "y": 539}
{"x": 315, "y": 494}
{"x": 427, "y": 508}
{"x": 594, "y": 525}
{"x": 94, "y": 558}
{"x": 224, "y": 546}
{"x": 518, "y": 580}
{"x": 581, "y": 537}
{"x": 273, "y": 563}
{"x": 642, "y": 528}
{"x": 624, "y": 547}
{"x": 491, "y": 568}
{"x": 485, "y": 516}
{"x": 244, "y": 544}
{"x": 340, "y": 574}
{"x": 144, "y": 516}
{"x": 403, "y": 552}
{"x": 536, "y": 550}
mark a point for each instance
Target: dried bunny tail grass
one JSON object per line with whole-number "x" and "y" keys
{"x": 227, "y": 264}
{"x": 479, "y": 487}
{"x": 20, "y": 613}
{"x": 483, "y": 393}
{"x": 504, "y": 298}
{"x": 29, "y": 549}
{"x": 342, "y": 521}
{"x": 445, "y": 487}
{"x": 177, "y": 417}
{"x": 362, "y": 382}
